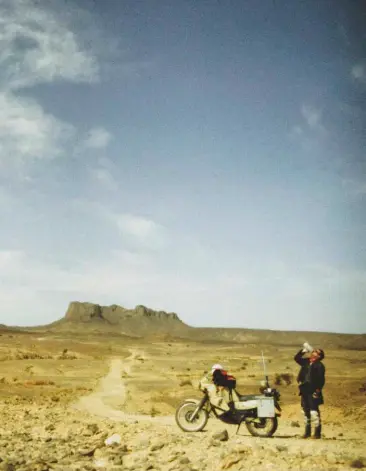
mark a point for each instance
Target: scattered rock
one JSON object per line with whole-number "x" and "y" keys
{"x": 157, "y": 446}
{"x": 87, "y": 451}
{"x": 93, "y": 428}
{"x": 358, "y": 464}
{"x": 114, "y": 439}
{"x": 222, "y": 436}
{"x": 230, "y": 460}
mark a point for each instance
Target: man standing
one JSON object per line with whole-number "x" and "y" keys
{"x": 311, "y": 380}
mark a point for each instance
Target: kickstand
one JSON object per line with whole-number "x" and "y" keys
{"x": 237, "y": 430}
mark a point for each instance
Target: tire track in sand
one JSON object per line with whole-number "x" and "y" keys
{"x": 111, "y": 389}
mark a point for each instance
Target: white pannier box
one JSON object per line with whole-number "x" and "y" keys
{"x": 266, "y": 407}
{"x": 245, "y": 405}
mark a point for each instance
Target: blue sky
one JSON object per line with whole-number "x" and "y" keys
{"x": 201, "y": 157}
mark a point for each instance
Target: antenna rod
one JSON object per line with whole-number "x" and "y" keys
{"x": 264, "y": 370}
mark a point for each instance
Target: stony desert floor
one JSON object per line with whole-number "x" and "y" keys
{"x": 61, "y": 397}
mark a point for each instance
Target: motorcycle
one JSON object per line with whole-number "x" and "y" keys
{"x": 259, "y": 412}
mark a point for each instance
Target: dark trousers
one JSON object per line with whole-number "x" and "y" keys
{"x": 310, "y": 407}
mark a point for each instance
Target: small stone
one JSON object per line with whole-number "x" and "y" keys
{"x": 281, "y": 448}
{"x": 93, "y": 428}
{"x": 213, "y": 442}
{"x": 157, "y": 446}
{"x": 358, "y": 464}
{"x": 7, "y": 467}
{"x": 117, "y": 460}
{"x": 87, "y": 451}
{"x": 222, "y": 436}
{"x": 114, "y": 439}
{"x": 230, "y": 460}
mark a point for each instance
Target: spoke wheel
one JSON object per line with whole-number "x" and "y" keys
{"x": 263, "y": 427}
{"x": 183, "y": 417}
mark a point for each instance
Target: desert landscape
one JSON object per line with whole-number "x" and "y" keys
{"x": 92, "y": 392}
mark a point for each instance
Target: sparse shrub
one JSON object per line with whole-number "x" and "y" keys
{"x": 67, "y": 356}
{"x": 358, "y": 464}
{"x": 39, "y": 382}
{"x": 283, "y": 378}
{"x": 153, "y": 411}
{"x": 185, "y": 382}
{"x": 295, "y": 423}
{"x": 31, "y": 356}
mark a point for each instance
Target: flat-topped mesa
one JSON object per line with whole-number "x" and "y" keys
{"x": 81, "y": 312}
{"x": 147, "y": 312}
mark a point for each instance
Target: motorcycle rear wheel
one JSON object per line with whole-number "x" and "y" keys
{"x": 185, "y": 412}
{"x": 266, "y": 427}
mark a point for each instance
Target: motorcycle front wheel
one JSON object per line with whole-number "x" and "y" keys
{"x": 263, "y": 427}
{"x": 184, "y": 413}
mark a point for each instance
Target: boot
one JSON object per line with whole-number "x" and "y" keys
{"x": 307, "y": 433}
{"x": 317, "y": 432}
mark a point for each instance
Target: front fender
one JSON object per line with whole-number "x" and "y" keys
{"x": 194, "y": 401}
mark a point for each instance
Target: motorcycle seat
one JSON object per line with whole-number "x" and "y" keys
{"x": 247, "y": 397}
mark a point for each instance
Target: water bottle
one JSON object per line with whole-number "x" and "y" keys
{"x": 307, "y": 347}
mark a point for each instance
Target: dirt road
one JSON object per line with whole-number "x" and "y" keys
{"x": 108, "y": 399}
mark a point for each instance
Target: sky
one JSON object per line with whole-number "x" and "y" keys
{"x": 202, "y": 157}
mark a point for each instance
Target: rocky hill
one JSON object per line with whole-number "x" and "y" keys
{"x": 142, "y": 322}
{"x": 137, "y": 322}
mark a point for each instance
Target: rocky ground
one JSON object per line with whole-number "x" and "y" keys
{"x": 61, "y": 439}
{"x": 94, "y": 434}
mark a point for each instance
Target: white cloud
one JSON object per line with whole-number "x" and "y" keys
{"x": 310, "y": 131}
{"x": 139, "y": 231}
{"x": 27, "y": 132}
{"x": 311, "y": 115}
{"x": 145, "y": 231}
{"x": 104, "y": 178}
{"x": 37, "y": 47}
{"x": 358, "y": 72}
{"x": 97, "y": 138}
{"x": 33, "y": 291}
{"x": 10, "y": 259}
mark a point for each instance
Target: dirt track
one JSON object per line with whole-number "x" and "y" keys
{"x": 108, "y": 399}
